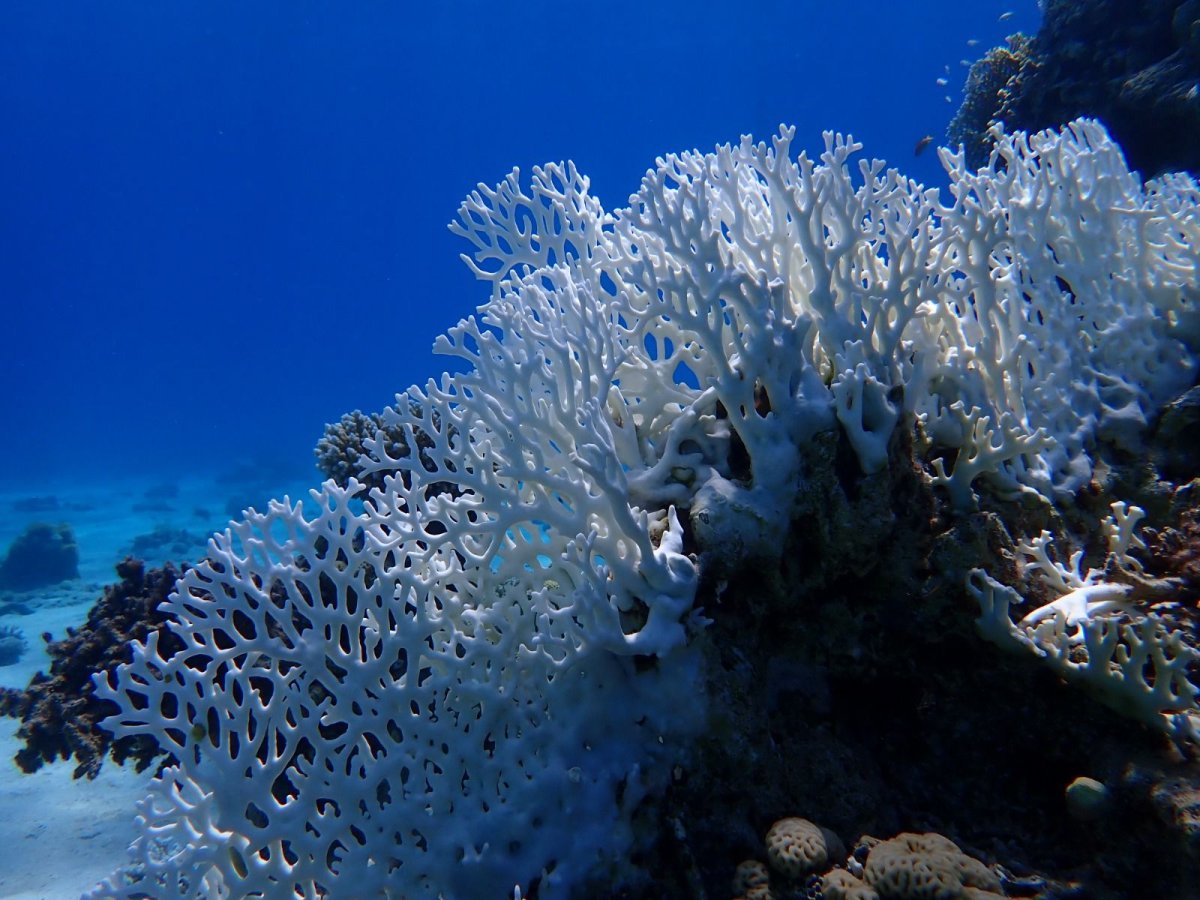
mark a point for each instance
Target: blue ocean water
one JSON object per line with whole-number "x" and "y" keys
{"x": 224, "y": 224}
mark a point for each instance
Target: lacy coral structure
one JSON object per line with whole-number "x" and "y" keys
{"x": 1136, "y": 662}
{"x": 467, "y": 676}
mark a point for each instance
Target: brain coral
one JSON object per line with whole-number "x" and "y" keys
{"x": 927, "y": 867}
{"x": 796, "y": 847}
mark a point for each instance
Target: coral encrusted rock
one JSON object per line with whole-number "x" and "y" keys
{"x": 60, "y": 712}
{"x": 1133, "y": 64}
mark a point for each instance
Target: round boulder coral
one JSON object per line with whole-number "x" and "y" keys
{"x": 796, "y": 847}
{"x": 927, "y": 867}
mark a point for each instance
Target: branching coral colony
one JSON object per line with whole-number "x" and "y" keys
{"x": 430, "y": 687}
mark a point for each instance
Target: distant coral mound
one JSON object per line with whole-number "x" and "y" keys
{"x": 12, "y": 645}
{"x": 41, "y": 555}
{"x": 1133, "y": 64}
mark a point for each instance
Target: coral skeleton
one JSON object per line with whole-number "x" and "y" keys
{"x": 1134, "y": 661}
{"x": 468, "y": 675}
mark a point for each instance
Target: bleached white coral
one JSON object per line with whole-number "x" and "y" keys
{"x": 349, "y": 713}
{"x": 1043, "y": 305}
{"x": 1059, "y": 314}
{"x": 1091, "y": 633}
{"x": 431, "y": 687}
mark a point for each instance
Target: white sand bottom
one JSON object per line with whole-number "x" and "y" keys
{"x": 59, "y": 836}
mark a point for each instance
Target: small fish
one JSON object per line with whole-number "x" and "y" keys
{"x": 942, "y": 82}
{"x": 923, "y": 143}
{"x": 1005, "y": 16}
{"x": 965, "y": 62}
{"x": 946, "y": 68}
{"x": 972, "y": 42}
{"x": 948, "y": 100}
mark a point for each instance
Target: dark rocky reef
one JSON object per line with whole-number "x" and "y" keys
{"x": 1133, "y": 64}
{"x": 41, "y": 555}
{"x": 1175, "y": 548}
{"x": 1175, "y": 442}
{"x": 60, "y": 713}
{"x": 848, "y": 684}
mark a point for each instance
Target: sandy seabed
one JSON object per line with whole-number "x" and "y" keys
{"x": 59, "y": 836}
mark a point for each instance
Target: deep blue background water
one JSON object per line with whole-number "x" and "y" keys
{"x": 223, "y": 223}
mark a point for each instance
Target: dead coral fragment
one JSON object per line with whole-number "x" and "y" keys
{"x": 927, "y": 867}
{"x": 1138, "y": 663}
